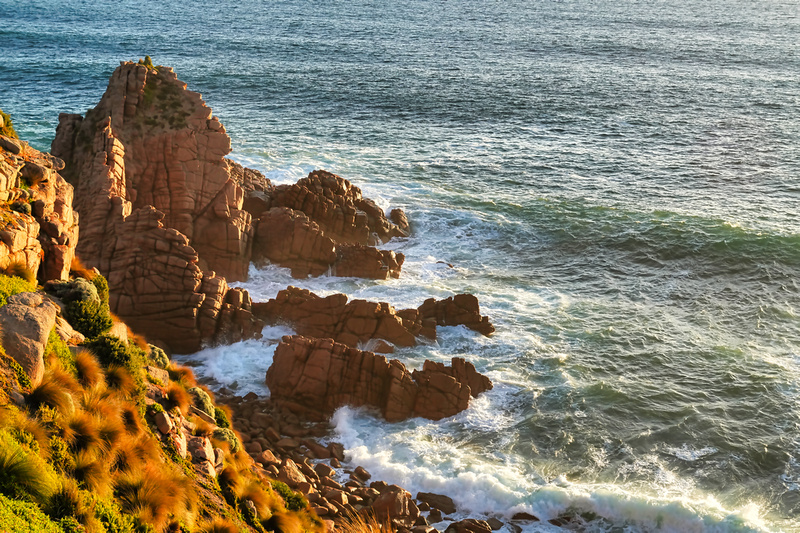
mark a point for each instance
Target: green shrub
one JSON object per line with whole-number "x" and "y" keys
{"x": 111, "y": 351}
{"x": 58, "y": 348}
{"x": 202, "y": 400}
{"x": 294, "y": 501}
{"x": 158, "y": 357}
{"x": 24, "y": 517}
{"x": 101, "y": 285}
{"x": 91, "y": 318}
{"x": 60, "y": 455}
{"x": 111, "y": 516}
{"x": 11, "y": 285}
{"x": 6, "y": 126}
{"x": 74, "y": 290}
{"x": 87, "y": 304}
{"x": 222, "y": 418}
{"x": 23, "y": 380}
{"x": 23, "y": 474}
{"x": 227, "y": 435}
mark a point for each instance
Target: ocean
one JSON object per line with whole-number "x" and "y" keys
{"x": 617, "y": 182}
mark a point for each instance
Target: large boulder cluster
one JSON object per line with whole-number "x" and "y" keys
{"x": 150, "y": 158}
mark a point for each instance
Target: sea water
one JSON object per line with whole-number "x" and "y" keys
{"x": 617, "y": 182}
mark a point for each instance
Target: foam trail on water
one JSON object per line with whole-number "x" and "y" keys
{"x": 418, "y": 455}
{"x": 240, "y": 366}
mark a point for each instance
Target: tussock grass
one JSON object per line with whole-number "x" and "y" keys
{"x": 118, "y": 378}
{"x": 218, "y": 525}
{"x": 88, "y": 370}
{"x": 153, "y": 495}
{"x": 77, "y": 268}
{"x": 284, "y": 522}
{"x": 365, "y": 523}
{"x": 131, "y": 420}
{"x": 183, "y": 375}
{"x": 24, "y": 473}
{"x": 92, "y": 472}
{"x": 178, "y": 397}
{"x": 84, "y": 434}
{"x": 50, "y": 393}
{"x": 20, "y": 270}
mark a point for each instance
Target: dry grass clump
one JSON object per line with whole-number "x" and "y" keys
{"x": 19, "y": 269}
{"x": 50, "y": 393}
{"x": 131, "y": 420}
{"x": 183, "y": 375}
{"x": 69, "y": 502}
{"x": 154, "y": 495}
{"x": 77, "y": 268}
{"x": 365, "y": 523}
{"x": 22, "y": 472}
{"x": 92, "y": 471}
{"x": 87, "y": 367}
{"x": 217, "y": 525}
{"x": 119, "y": 379}
{"x": 178, "y": 397}
{"x": 284, "y": 522}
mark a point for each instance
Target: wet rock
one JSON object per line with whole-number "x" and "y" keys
{"x": 438, "y": 501}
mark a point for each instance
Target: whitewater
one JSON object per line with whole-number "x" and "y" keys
{"x": 616, "y": 182}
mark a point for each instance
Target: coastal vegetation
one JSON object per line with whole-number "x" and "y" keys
{"x": 81, "y": 451}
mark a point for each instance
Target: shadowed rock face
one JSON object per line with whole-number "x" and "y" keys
{"x": 314, "y": 377}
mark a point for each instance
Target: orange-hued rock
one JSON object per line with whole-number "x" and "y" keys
{"x": 160, "y": 289}
{"x": 338, "y": 208}
{"x": 314, "y": 377}
{"x": 38, "y": 227}
{"x": 358, "y": 322}
{"x": 290, "y": 239}
{"x": 350, "y": 323}
{"x": 150, "y": 141}
{"x": 457, "y": 310}
{"x": 359, "y": 261}
{"x": 162, "y": 209}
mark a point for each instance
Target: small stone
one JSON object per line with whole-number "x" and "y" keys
{"x": 164, "y": 423}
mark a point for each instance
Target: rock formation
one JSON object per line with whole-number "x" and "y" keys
{"x": 25, "y": 324}
{"x": 148, "y": 165}
{"x": 38, "y": 228}
{"x": 314, "y": 377}
{"x": 357, "y": 322}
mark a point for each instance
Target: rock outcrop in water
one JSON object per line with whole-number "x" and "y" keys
{"x": 169, "y": 220}
{"x": 358, "y": 322}
{"x": 314, "y": 377}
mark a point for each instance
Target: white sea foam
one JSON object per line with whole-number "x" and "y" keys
{"x": 241, "y": 366}
{"x": 418, "y": 455}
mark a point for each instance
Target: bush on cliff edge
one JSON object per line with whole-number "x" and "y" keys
{"x": 6, "y": 127}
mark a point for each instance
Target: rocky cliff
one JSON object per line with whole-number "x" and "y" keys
{"x": 169, "y": 220}
{"x": 38, "y": 227}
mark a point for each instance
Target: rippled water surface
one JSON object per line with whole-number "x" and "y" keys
{"x": 616, "y": 181}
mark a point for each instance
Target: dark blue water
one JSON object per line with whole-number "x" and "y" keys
{"x": 616, "y": 181}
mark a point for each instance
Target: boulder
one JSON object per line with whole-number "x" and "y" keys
{"x": 396, "y": 505}
{"x": 25, "y": 325}
{"x": 457, "y": 310}
{"x": 438, "y": 501}
{"x": 314, "y": 377}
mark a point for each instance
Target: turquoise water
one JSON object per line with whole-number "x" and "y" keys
{"x": 616, "y": 181}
